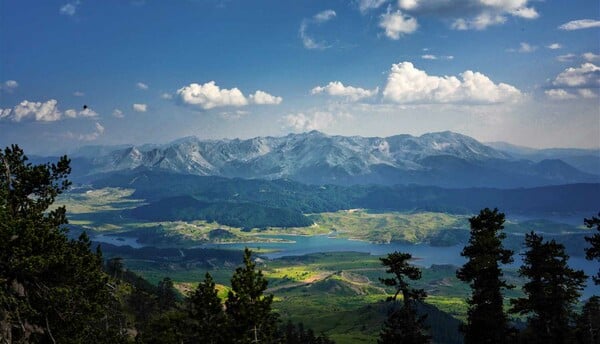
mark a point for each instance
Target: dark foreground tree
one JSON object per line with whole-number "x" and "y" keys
{"x": 486, "y": 319}
{"x": 249, "y": 311}
{"x": 553, "y": 288}
{"x": 291, "y": 334}
{"x": 52, "y": 290}
{"x": 593, "y": 252}
{"x": 403, "y": 325}
{"x": 588, "y": 323}
{"x": 208, "y": 321}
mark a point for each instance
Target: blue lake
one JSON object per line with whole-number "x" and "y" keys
{"x": 425, "y": 254}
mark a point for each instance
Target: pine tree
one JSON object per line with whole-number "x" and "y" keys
{"x": 248, "y": 310}
{"x": 588, "y": 323}
{"x": 403, "y": 325}
{"x": 550, "y": 293}
{"x": 206, "y": 313}
{"x": 52, "y": 289}
{"x": 593, "y": 252}
{"x": 486, "y": 319}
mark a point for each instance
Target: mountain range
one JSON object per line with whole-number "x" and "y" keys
{"x": 444, "y": 159}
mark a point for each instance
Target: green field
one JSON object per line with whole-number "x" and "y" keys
{"x": 338, "y": 294}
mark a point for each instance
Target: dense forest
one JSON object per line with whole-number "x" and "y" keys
{"x": 56, "y": 290}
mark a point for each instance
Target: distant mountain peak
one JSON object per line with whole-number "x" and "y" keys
{"x": 441, "y": 158}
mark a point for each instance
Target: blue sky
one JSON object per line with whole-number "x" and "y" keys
{"x": 520, "y": 71}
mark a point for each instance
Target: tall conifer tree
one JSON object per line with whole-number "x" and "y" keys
{"x": 403, "y": 324}
{"x": 207, "y": 314}
{"x": 486, "y": 319}
{"x": 551, "y": 292}
{"x": 247, "y": 308}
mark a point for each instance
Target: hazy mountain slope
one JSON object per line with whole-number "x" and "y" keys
{"x": 155, "y": 186}
{"x": 585, "y": 160}
{"x": 445, "y": 159}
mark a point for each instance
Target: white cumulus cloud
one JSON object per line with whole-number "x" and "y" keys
{"x": 263, "y": 98}
{"x": 209, "y": 95}
{"x": 407, "y": 84}
{"x": 585, "y": 76}
{"x": 87, "y": 112}
{"x": 47, "y": 111}
{"x": 167, "y": 96}
{"x": 580, "y": 24}
{"x": 141, "y": 86}
{"x": 337, "y": 89}
{"x": 396, "y": 24}
{"x": 37, "y": 111}
{"x": 140, "y": 107}
{"x": 471, "y": 14}
{"x": 559, "y": 94}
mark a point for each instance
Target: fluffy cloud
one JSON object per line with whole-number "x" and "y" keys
{"x": 38, "y": 111}
{"x": 590, "y": 57}
{"x": 318, "y": 120}
{"x": 167, "y": 96}
{"x": 586, "y": 76}
{"x": 141, "y": 86}
{"x": 407, "y": 84}
{"x": 554, "y": 46}
{"x": 69, "y": 9}
{"x": 575, "y": 82}
{"x": 43, "y": 112}
{"x": 209, "y": 95}
{"x": 471, "y": 14}
{"x": 87, "y": 112}
{"x": 580, "y": 24}
{"x": 366, "y": 5}
{"x": 140, "y": 107}
{"x": 397, "y": 24}
{"x": 559, "y": 94}
{"x": 562, "y": 94}
{"x": 319, "y": 18}
{"x": 118, "y": 113}
{"x": 263, "y": 98}
{"x": 337, "y": 89}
